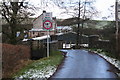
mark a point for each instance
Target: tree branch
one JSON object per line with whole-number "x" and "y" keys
{"x": 3, "y": 14}
{"x": 6, "y": 7}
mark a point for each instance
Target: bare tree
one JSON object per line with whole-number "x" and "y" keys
{"x": 87, "y": 8}
{"x": 15, "y": 13}
{"x": 83, "y": 10}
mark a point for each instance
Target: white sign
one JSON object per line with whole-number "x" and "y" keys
{"x": 47, "y": 25}
{"x": 47, "y": 16}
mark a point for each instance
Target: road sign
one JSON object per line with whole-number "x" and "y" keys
{"x": 47, "y": 24}
{"x": 47, "y": 16}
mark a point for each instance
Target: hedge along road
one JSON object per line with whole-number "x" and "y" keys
{"x": 84, "y": 64}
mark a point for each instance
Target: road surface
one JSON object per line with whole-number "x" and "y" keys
{"x": 84, "y": 64}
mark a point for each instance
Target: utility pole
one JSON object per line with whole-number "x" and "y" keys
{"x": 83, "y": 20}
{"x": 78, "y": 30}
{"x": 116, "y": 24}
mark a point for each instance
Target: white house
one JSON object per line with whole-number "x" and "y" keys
{"x": 38, "y": 29}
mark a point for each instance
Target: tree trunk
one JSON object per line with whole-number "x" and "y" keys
{"x": 13, "y": 26}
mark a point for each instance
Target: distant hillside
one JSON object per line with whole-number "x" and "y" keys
{"x": 67, "y": 22}
{"x": 99, "y": 24}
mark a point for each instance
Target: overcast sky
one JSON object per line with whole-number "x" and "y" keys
{"x": 101, "y": 5}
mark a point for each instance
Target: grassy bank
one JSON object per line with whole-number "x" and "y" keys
{"x": 42, "y": 68}
{"x": 112, "y": 55}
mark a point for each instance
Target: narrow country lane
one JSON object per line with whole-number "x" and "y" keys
{"x": 84, "y": 64}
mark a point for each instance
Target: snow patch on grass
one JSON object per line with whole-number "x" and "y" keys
{"x": 113, "y": 61}
{"x": 40, "y": 69}
{"x": 46, "y": 72}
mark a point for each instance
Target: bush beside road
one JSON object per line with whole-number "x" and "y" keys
{"x": 13, "y": 58}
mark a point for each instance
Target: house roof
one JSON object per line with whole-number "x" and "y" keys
{"x": 38, "y": 38}
{"x": 42, "y": 37}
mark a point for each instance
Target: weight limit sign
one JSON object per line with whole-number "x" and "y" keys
{"x": 47, "y": 24}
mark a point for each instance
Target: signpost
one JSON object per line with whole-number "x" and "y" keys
{"x": 117, "y": 6}
{"x": 47, "y": 25}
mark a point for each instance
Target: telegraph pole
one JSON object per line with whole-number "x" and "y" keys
{"x": 116, "y": 24}
{"x": 78, "y": 30}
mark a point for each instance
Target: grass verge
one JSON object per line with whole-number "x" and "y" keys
{"x": 101, "y": 51}
{"x": 41, "y": 65}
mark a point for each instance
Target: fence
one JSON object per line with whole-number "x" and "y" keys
{"x": 38, "y": 50}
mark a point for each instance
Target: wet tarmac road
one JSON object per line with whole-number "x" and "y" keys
{"x": 84, "y": 64}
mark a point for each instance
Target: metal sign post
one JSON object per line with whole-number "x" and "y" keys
{"x": 48, "y": 43}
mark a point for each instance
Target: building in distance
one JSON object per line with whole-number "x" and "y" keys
{"x": 38, "y": 29}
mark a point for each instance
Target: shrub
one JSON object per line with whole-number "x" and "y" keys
{"x": 13, "y": 56}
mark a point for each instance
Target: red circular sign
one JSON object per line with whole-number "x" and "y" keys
{"x": 47, "y": 24}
